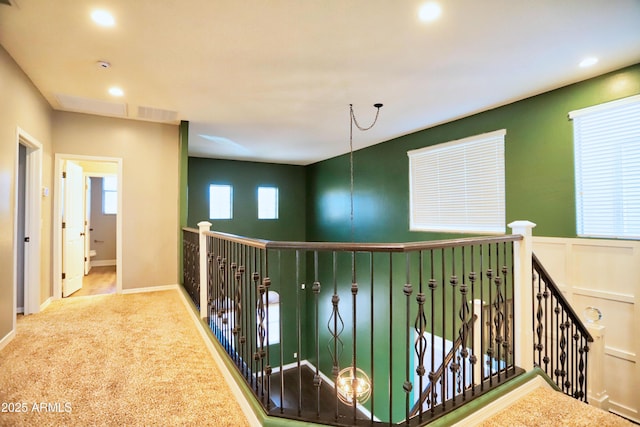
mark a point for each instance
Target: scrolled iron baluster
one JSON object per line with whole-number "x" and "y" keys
{"x": 222, "y": 266}
{"x": 237, "y": 330}
{"x": 539, "y": 327}
{"x": 420, "y": 344}
{"x": 465, "y": 317}
{"x": 579, "y": 394}
{"x": 260, "y": 290}
{"x": 458, "y": 371}
{"x": 561, "y": 372}
{"x": 335, "y": 344}
{"x": 407, "y": 385}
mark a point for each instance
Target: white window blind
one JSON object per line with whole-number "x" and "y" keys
{"x": 607, "y": 169}
{"x": 458, "y": 186}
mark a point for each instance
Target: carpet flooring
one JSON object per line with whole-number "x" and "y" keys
{"x": 544, "y": 407}
{"x": 113, "y": 360}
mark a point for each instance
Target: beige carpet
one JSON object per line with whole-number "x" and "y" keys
{"x": 115, "y": 360}
{"x": 547, "y": 408}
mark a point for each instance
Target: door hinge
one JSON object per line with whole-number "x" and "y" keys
{"x": 64, "y": 174}
{"x": 85, "y": 259}
{"x": 64, "y": 224}
{"x": 64, "y": 276}
{"x": 26, "y": 240}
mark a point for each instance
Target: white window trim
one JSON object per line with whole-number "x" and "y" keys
{"x": 497, "y": 228}
{"x": 277, "y": 202}
{"x": 619, "y": 226}
{"x": 211, "y": 216}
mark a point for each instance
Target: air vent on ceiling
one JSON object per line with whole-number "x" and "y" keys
{"x": 91, "y": 106}
{"x": 157, "y": 115}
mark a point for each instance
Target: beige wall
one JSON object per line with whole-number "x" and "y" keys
{"x": 150, "y": 157}
{"x": 21, "y": 105}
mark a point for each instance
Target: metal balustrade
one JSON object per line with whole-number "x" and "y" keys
{"x": 561, "y": 341}
{"x": 353, "y": 333}
{"x": 191, "y": 264}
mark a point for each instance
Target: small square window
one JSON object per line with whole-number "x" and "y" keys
{"x": 220, "y": 201}
{"x": 267, "y": 203}
{"x": 110, "y": 195}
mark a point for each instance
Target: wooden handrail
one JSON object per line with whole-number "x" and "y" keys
{"x": 557, "y": 293}
{"x": 362, "y": 247}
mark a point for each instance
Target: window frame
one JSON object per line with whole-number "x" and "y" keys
{"x": 453, "y": 215}
{"x": 607, "y": 169}
{"x": 276, "y": 203}
{"x": 215, "y": 214}
{"x": 109, "y": 193}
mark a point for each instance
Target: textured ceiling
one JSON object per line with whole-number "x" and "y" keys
{"x": 272, "y": 80}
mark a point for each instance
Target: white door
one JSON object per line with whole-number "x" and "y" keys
{"x": 87, "y": 225}
{"x": 73, "y": 229}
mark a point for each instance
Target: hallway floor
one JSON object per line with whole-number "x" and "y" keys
{"x": 99, "y": 281}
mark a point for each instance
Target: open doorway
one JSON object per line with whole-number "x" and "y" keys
{"x": 27, "y": 217}
{"x": 88, "y": 244}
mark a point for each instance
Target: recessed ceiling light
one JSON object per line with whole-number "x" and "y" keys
{"x": 103, "y": 18}
{"x": 116, "y": 91}
{"x": 429, "y": 12}
{"x": 588, "y": 62}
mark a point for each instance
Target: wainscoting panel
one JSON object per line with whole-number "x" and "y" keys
{"x": 604, "y": 274}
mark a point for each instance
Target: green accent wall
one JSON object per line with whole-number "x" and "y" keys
{"x": 538, "y": 160}
{"x": 315, "y": 206}
{"x": 246, "y": 177}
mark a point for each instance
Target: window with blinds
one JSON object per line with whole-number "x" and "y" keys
{"x": 607, "y": 169}
{"x": 458, "y": 186}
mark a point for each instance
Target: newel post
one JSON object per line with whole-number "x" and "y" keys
{"x": 522, "y": 294}
{"x": 203, "y": 226}
{"x": 596, "y": 391}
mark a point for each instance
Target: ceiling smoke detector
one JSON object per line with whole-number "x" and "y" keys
{"x": 103, "y": 65}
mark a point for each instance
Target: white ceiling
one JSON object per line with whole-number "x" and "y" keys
{"x": 272, "y": 80}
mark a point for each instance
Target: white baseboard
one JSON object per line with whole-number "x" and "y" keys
{"x": 103, "y": 263}
{"x": 150, "y": 289}
{"x": 7, "y": 339}
{"x": 46, "y": 303}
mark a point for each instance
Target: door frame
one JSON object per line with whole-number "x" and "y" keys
{"x": 32, "y": 224}
{"x": 58, "y": 203}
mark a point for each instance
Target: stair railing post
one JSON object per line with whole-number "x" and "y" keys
{"x": 203, "y": 226}
{"x": 523, "y": 295}
{"x": 478, "y": 307}
{"x": 596, "y": 391}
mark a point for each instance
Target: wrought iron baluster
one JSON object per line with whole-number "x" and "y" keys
{"x": 455, "y": 365}
{"x": 335, "y": 325}
{"x": 420, "y": 345}
{"x": 407, "y": 386}
{"x": 433, "y": 284}
{"x": 317, "y": 380}
{"x": 354, "y": 363}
